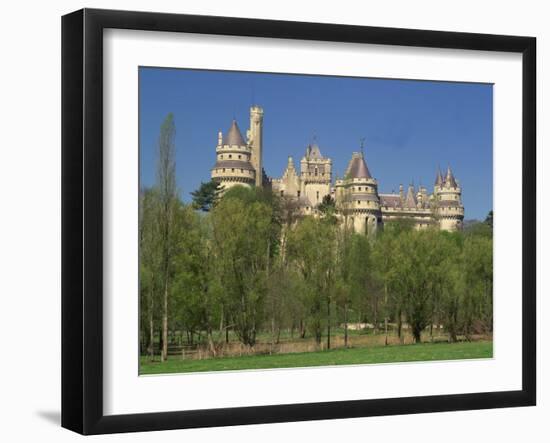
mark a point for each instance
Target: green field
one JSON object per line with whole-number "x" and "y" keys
{"x": 365, "y": 355}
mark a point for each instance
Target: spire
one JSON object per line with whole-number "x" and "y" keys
{"x": 410, "y": 201}
{"x": 357, "y": 167}
{"x": 233, "y": 136}
{"x": 450, "y": 179}
{"x": 312, "y": 151}
{"x": 290, "y": 164}
{"x": 438, "y": 177}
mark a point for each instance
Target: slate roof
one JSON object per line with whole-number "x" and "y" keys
{"x": 438, "y": 178}
{"x": 450, "y": 179}
{"x": 448, "y": 203}
{"x": 390, "y": 200}
{"x": 357, "y": 167}
{"x": 410, "y": 200}
{"x": 313, "y": 152}
{"x": 234, "y": 136}
{"x": 238, "y": 164}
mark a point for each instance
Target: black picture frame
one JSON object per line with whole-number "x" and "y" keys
{"x": 82, "y": 220}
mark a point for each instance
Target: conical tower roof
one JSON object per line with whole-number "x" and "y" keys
{"x": 357, "y": 167}
{"x": 438, "y": 178}
{"x": 410, "y": 200}
{"x": 450, "y": 179}
{"x": 233, "y": 136}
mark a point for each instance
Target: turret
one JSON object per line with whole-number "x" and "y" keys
{"x": 357, "y": 196}
{"x": 233, "y": 155}
{"x": 256, "y": 141}
{"x": 448, "y": 202}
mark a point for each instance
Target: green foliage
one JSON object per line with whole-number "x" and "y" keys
{"x": 489, "y": 219}
{"x": 242, "y": 240}
{"x": 206, "y": 197}
{"x": 311, "y": 247}
{"x": 250, "y": 264}
{"x": 327, "y": 208}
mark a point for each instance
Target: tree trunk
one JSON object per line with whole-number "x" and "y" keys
{"x": 328, "y": 323}
{"x": 386, "y": 314}
{"x": 151, "y": 329}
{"x": 375, "y": 314}
{"x": 302, "y": 329}
{"x": 345, "y": 325}
{"x": 211, "y": 342}
{"x": 164, "y": 354}
{"x": 272, "y": 334}
{"x": 399, "y": 326}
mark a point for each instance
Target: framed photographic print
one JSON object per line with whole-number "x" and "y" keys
{"x": 269, "y": 221}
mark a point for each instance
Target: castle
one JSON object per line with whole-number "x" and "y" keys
{"x": 357, "y": 201}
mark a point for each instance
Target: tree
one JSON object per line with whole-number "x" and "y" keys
{"x": 327, "y": 208}
{"x": 149, "y": 264}
{"x": 197, "y": 289}
{"x": 489, "y": 219}
{"x": 242, "y": 232}
{"x": 208, "y": 194}
{"x": 168, "y": 200}
{"x": 312, "y": 248}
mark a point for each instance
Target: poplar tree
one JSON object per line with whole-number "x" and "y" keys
{"x": 168, "y": 199}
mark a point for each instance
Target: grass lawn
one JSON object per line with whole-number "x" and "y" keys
{"x": 365, "y": 355}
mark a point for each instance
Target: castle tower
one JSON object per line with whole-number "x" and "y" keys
{"x": 448, "y": 202}
{"x": 255, "y": 141}
{"x": 357, "y": 196}
{"x": 315, "y": 174}
{"x": 233, "y": 160}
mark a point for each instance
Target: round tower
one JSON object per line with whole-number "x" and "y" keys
{"x": 255, "y": 141}
{"x": 357, "y": 196}
{"x": 233, "y": 155}
{"x": 448, "y": 202}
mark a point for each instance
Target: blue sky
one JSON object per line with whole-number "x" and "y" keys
{"x": 410, "y": 127}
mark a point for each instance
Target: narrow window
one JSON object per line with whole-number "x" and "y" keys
{"x": 282, "y": 193}
{"x": 298, "y": 193}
